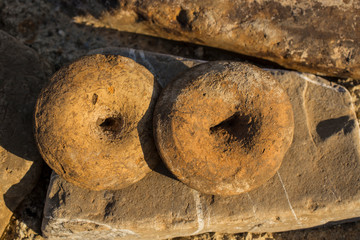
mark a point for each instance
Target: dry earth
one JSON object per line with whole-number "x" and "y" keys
{"x": 46, "y": 27}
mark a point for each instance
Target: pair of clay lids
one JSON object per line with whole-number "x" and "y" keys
{"x": 222, "y": 128}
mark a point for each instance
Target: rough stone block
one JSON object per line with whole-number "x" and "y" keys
{"x": 319, "y": 36}
{"x": 317, "y": 183}
{"x": 22, "y": 74}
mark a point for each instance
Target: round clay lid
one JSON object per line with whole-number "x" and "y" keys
{"x": 223, "y": 128}
{"x": 93, "y": 122}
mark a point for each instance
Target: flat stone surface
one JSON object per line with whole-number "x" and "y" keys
{"x": 317, "y": 183}
{"x": 22, "y": 74}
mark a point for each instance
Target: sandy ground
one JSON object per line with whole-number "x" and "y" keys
{"x": 47, "y": 27}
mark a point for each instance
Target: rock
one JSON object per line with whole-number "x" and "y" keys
{"x": 215, "y": 127}
{"x": 22, "y": 74}
{"x": 320, "y": 36}
{"x": 93, "y": 122}
{"x": 317, "y": 183}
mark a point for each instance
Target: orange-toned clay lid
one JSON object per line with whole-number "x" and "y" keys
{"x": 223, "y": 128}
{"x": 93, "y": 122}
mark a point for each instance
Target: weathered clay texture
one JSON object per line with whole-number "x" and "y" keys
{"x": 93, "y": 122}
{"x": 223, "y": 128}
{"x": 316, "y": 36}
{"x": 22, "y": 74}
{"x": 318, "y": 181}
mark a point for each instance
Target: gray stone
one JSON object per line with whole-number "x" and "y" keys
{"x": 22, "y": 74}
{"x": 318, "y": 181}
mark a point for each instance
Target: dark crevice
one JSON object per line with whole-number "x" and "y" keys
{"x": 111, "y": 125}
{"x": 110, "y": 4}
{"x": 239, "y": 128}
{"x": 184, "y": 19}
{"x": 141, "y": 17}
{"x": 94, "y": 98}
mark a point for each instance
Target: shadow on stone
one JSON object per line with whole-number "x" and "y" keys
{"x": 22, "y": 75}
{"x": 329, "y": 127}
{"x": 30, "y": 210}
{"x": 148, "y": 143}
{"x": 11, "y": 197}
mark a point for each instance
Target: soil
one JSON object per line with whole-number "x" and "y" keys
{"x": 47, "y": 27}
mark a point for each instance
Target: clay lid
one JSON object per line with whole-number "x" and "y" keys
{"x": 93, "y": 122}
{"x": 223, "y": 128}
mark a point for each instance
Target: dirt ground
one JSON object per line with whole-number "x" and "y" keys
{"x": 47, "y": 27}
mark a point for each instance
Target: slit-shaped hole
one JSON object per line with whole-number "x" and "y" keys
{"x": 239, "y": 128}
{"x": 111, "y": 125}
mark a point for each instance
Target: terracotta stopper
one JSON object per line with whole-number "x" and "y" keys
{"x": 223, "y": 128}
{"x": 93, "y": 122}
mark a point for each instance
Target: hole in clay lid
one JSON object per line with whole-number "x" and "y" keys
{"x": 240, "y": 128}
{"x": 111, "y": 125}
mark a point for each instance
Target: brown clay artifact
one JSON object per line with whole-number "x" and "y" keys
{"x": 93, "y": 122}
{"x": 223, "y": 128}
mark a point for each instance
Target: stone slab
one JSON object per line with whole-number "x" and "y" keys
{"x": 22, "y": 75}
{"x": 317, "y": 183}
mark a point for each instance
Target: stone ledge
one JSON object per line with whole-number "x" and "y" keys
{"x": 318, "y": 181}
